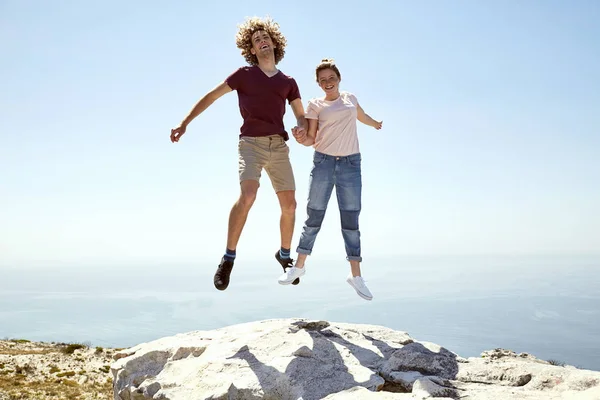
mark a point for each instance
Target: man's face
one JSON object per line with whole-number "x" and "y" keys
{"x": 261, "y": 43}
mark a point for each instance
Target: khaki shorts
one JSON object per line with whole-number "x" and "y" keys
{"x": 270, "y": 153}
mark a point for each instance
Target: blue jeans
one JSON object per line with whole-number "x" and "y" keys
{"x": 344, "y": 173}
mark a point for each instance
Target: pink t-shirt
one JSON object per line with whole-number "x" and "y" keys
{"x": 336, "y": 131}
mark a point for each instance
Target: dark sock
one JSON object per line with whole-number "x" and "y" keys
{"x": 229, "y": 255}
{"x": 284, "y": 253}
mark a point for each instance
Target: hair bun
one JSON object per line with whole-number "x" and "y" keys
{"x": 327, "y": 60}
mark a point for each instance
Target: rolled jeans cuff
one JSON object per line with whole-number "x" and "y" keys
{"x": 354, "y": 258}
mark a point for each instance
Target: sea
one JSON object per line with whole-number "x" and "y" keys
{"x": 547, "y": 306}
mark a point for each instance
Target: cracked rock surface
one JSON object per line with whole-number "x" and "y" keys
{"x": 292, "y": 359}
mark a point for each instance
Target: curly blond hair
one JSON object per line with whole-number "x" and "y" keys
{"x": 243, "y": 38}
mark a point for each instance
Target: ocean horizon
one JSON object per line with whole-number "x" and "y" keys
{"x": 548, "y": 306}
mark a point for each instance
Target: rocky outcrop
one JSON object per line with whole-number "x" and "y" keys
{"x": 295, "y": 359}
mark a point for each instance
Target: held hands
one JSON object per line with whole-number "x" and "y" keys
{"x": 177, "y": 133}
{"x": 299, "y": 133}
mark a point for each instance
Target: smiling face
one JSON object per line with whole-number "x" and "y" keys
{"x": 262, "y": 44}
{"x": 253, "y": 28}
{"x": 329, "y": 81}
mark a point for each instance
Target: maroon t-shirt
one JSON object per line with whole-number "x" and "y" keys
{"x": 262, "y": 100}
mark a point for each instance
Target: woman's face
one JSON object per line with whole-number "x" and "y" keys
{"x": 328, "y": 81}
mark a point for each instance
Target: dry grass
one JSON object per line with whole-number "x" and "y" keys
{"x": 17, "y": 352}
{"x": 29, "y": 370}
{"x": 16, "y": 347}
{"x": 16, "y": 387}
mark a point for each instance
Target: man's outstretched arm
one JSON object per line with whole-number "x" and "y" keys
{"x": 199, "y": 108}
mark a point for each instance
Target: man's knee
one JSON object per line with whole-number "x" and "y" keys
{"x": 287, "y": 201}
{"x": 248, "y": 193}
{"x": 289, "y": 207}
{"x": 247, "y": 199}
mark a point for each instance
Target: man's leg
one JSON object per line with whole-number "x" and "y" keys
{"x": 287, "y": 202}
{"x": 281, "y": 174}
{"x": 252, "y": 158}
{"x": 237, "y": 220}
{"x": 239, "y": 212}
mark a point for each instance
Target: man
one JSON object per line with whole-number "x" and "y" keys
{"x": 262, "y": 91}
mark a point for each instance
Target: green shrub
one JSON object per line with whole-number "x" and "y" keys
{"x": 70, "y": 348}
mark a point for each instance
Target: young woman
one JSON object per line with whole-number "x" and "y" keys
{"x": 336, "y": 163}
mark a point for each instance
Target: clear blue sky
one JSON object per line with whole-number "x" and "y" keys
{"x": 490, "y": 145}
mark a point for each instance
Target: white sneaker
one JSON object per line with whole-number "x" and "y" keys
{"x": 358, "y": 283}
{"x": 290, "y": 275}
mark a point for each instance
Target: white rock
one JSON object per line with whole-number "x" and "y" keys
{"x": 292, "y": 359}
{"x": 427, "y": 388}
{"x": 360, "y": 393}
